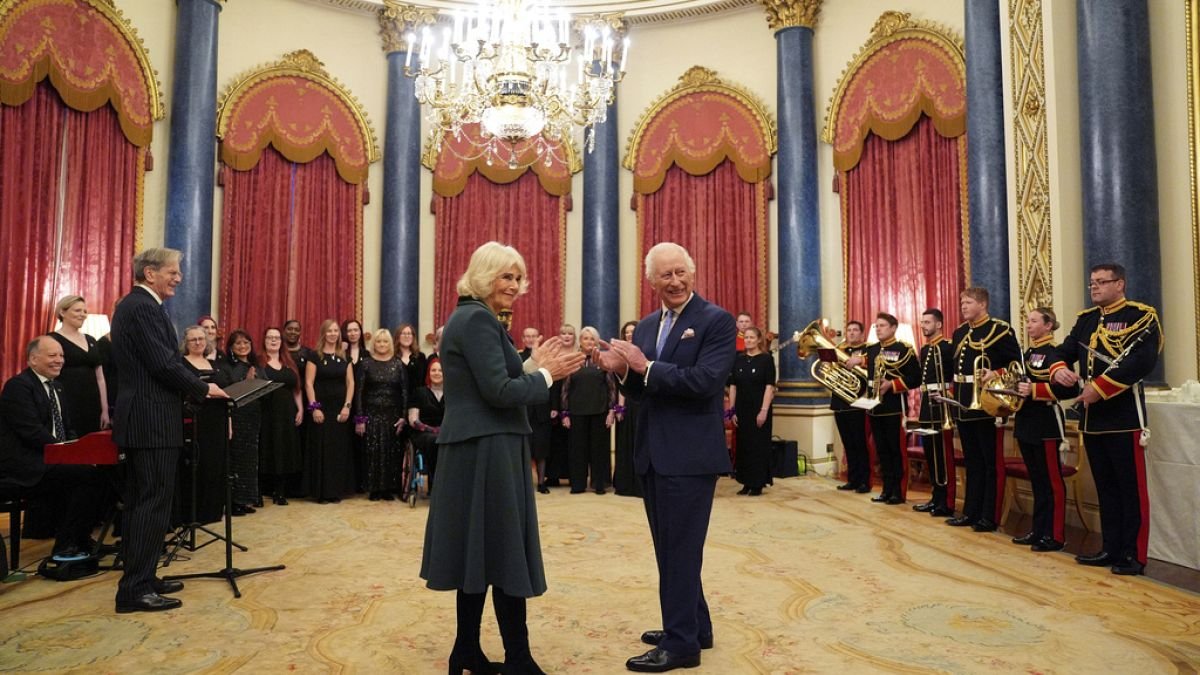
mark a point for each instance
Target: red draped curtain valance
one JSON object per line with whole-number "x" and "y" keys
{"x": 295, "y": 149}
{"x": 701, "y": 160}
{"x": 459, "y": 157}
{"x": 897, "y": 124}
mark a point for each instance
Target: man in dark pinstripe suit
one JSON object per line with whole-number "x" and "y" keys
{"x": 148, "y": 424}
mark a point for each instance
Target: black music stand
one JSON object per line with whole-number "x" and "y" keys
{"x": 240, "y": 394}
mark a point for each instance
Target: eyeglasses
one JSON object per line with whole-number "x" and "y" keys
{"x": 1097, "y": 283}
{"x": 197, "y": 339}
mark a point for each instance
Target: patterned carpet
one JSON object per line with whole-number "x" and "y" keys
{"x": 803, "y": 579}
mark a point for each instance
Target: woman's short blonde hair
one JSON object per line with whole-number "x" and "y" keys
{"x": 382, "y": 335}
{"x": 488, "y": 262}
{"x": 65, "y": 303}
{"x": 588, "y": 330}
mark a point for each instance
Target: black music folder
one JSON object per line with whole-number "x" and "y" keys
{"x": 247, "y": 391}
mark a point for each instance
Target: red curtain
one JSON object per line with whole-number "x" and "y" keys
{"x": 721, "y": 220}
{"x": 291, "y": 246}
{"x": 30, "y": 164}
{"x": 520, "y": 214}
{"x": 903, "y": 228}
{"x": 64, "y": 227}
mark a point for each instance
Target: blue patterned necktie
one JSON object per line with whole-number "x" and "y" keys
{"x": 667, "y": 323}
{"x": 56, "y": 418}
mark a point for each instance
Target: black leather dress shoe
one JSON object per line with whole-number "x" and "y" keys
{"x": 1026, "y": 539}
{"x": 163, "y": 587}
{"x": 1128, "y": 567}
{"x": 862, "y": 489}
{"x": 895, "y": 500}
{"x": 1101, "y": 559}
{"x": 1046, "y": 544}
{"x": 659, "y": 660}
{"x": 150, "y": 602}
{"x": 654, "y": 637}
{"x": 984, "y": 525}
{"x": 942, "y": 512}
{"x": 542, "y": 489}
{"x": 924, "y": 508}
{"x": 961, "y": 521}
{"x": 880, "y": 498}
{"x": 847, "y": 486}
{"x": 601, "y": 491}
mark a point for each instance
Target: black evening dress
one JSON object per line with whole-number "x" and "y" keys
{"x": 243, "y": 447}
{"x": 279, "y": 439}
{"x": 330, "y": 464}
{"x": 206, "y": 455}
{"x": 625, "y": 480}
{"x": 79, "y": 386}
{"x": 431, "y": 408}
{"x": 415, "y": 371}
{"x": 751, "y": 375}
{"x": 381, "y": 395}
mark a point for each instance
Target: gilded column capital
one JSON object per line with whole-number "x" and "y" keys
{"x": 792, "y": 13}
{"x": 615, "y": 22}
{"x": 397, "y": 20}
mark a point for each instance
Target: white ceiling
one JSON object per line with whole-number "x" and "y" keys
{"x": 635, "y": 11}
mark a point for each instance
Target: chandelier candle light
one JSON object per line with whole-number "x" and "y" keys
{"x": 509, "y": 67}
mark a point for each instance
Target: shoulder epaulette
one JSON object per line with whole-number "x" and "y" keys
{"x": 1093, "y": 308}
{"x": 1149, "y": 309}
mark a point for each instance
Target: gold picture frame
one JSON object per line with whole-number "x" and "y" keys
{"x": 1192, "y": 19}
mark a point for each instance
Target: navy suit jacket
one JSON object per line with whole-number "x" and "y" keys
{"x": 26, "y": 428}
{"x": 680, "y": 422}
{"x": 153, "y": 379}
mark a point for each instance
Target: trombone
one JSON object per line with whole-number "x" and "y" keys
{"x": 938, "y": 459}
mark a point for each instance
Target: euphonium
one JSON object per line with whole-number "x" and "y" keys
{"x": 999, "y": 397}
{"x": 982, "y": 363}
{"x": 846, "y": 383}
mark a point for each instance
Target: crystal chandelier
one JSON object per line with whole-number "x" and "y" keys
{"x": 511, "y": 67}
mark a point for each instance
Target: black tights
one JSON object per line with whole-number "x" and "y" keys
{"x": 510, "y": 614}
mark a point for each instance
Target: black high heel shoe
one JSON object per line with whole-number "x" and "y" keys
{"x": 475, "y": 663}
{"x": 522, "y": 666}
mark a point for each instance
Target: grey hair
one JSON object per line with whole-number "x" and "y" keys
{"x": 488, "y": 262}
{"x": 589, "y": 330}
{"x": 154, "y": 258}
{"x": 667, "y": 247}
{"x": 35, "y": 346}
{"x": 209, "y": 347}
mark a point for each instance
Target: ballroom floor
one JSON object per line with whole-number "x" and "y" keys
{"x": 804, "y": 579}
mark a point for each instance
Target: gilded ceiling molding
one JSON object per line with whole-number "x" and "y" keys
{"x": 1192, "y": 19}
{"x": 1035, "y": 259}
{"x": 637, "y": 12}
{"x": 792, "y": 13}
{"x": 397, "y": 20}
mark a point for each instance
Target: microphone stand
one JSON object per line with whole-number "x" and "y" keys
{"x": 185, "y": 535}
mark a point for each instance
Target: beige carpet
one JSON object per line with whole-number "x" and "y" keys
{"x": 804, "y": 579}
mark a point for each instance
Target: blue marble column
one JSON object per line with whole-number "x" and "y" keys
{"x": 799, "y": 220}
{"x": 1116, "y": 148}
{"x": 400, "y": 263}
{"x": 601, "y": 231}
{"x": 987, "y": 186}
{"x": 191, "y": 169}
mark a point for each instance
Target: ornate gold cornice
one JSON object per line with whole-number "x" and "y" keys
{"x": 1035, "y": 259}
{"x": 792, "y": 13}
{"x": 614, "y": 21}
{"x": 397, "y": 20}
{"x": 303, "y": 64}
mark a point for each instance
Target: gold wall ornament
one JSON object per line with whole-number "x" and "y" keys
{"x": 397, "y": 20}
{"x": 1035, "y": 259}
{"x": 614, "y": 21}
{"x": 792, "y": 13}
{"x": 1192, "y": 20}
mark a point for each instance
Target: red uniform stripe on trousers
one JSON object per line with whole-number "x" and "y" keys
{"x": 951, "y": 473}
{"x": 903, "y": 459}
{"x": 1139, "y": 463}
{"x": 1001, "y": 476}
{"x": 1054, "y": 471}
{"x": 872, "y": 456}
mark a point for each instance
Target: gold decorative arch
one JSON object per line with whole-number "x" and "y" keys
{"x": 295, "y": 106}
{"x": 90, "y": 52}
{"x": 871, "y": 98}
{"x": 699, "y": 123}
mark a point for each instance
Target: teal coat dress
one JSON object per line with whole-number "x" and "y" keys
{"x": 483, "y": 528}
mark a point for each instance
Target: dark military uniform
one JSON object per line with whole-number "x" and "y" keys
{"x": 982, "y": 440}
{"x": 1114, "y": 427}
{"x": 1038, "y": 428}
{"x": 937, "y": 360}
{"x": 893, "y": 361}
{"x": 852, "y": 427}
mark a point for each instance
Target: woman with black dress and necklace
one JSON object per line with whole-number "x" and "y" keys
{"x": 239, "y": 364}
{"x": 751, "y": 390}
{"x": 211, "y": 427}
{"x": 82, "y": 376}
{"x": 425, "y": 412}
{"x": 329, "y": 383}
{"x": 380, "y": 404}
{"x": 282, "y": 413}
{"x": 625, "y": 480}
{"x": 412, "y": 358}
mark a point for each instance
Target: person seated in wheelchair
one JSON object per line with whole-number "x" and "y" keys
{"x": 425, "y": 417}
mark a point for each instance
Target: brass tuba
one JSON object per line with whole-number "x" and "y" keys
{"x": 999, "y": 397}
{"x": 846, "y": 383}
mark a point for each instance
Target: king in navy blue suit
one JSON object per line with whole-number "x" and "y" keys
{"x": 676, "y": 368}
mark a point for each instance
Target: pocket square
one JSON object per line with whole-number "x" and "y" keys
{"x": 687, "y": 334}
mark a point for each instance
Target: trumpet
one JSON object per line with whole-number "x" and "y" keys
{"x": 982, "y": 363}
{"x": 846, "y": 383}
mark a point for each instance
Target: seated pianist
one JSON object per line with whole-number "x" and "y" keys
{"x": 32, "y": 415}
